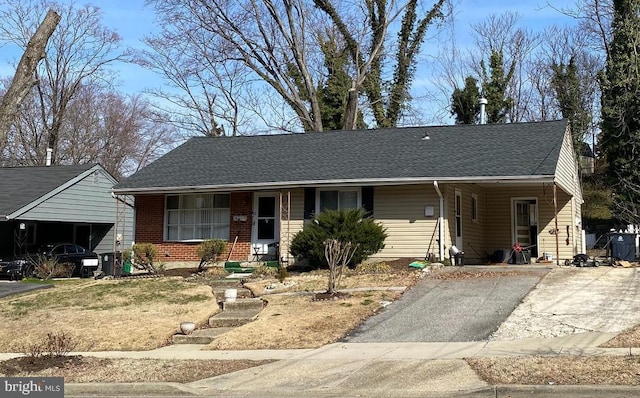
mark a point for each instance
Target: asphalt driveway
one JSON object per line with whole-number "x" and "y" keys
{"x": 8, "y": 288}
{"x": 467, "y": 308}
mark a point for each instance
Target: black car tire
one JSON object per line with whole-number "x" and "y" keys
{"x": 29, "y": 271}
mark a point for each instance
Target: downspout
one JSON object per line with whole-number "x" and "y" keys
{"x": 555, "y": 209}
{"x": 440, "y": 221}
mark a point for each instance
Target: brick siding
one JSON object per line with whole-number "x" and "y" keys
{"x": 150, "y": 228}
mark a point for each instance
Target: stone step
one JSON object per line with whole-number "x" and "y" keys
{"x": 243, "y": 304}
{"x": 233, "y": 318}
{"x": 200, "y": 336}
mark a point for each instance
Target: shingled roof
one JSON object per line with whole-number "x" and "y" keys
{"x": 400, "y": 155}
{"x": 20, "y": 186}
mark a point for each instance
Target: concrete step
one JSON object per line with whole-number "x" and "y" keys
{"x": 233, "y": 318}
{"x": 242, "y": 292}
{"x": 200, "y": 336}
{"x": 243, "y": 304}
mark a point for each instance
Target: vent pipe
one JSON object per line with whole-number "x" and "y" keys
{"x": 49, "y": 153}
{"x": 483, "y": 115}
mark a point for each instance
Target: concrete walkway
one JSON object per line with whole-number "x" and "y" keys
{"x": 357, "y": 369}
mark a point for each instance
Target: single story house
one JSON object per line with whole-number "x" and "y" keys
{"x": 482, "y": 188}
{"x": 42, "y": 205}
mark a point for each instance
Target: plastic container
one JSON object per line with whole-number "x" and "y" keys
{"x": 230, "y": 295}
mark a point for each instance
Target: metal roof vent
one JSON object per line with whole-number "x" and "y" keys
{"x": 483, "y": 115}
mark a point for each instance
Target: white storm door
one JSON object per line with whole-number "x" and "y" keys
{"x": 265, "y": 222}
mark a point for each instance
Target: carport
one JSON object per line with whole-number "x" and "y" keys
{"x": 49, "y": 204}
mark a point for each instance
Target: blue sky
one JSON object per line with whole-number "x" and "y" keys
{"x": 133, "y": 20}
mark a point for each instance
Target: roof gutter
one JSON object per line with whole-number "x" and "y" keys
{"x": 440, "y": 221}
{"x": 527, "y": 179}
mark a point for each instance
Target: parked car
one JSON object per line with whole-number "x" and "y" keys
{"x": 84, "y": 261}
{"x": 14, "y": 269}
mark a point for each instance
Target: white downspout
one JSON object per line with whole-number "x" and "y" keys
{"x": 440, "y": 221}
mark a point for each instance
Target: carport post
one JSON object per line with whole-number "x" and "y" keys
{"x": 555, "y": 209}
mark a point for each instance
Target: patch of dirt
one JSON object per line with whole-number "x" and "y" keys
{"x": 330, "y": 296}
{"x": 559, "y": 370}
{"x": 458, "y": 275}
{"x": 78, "y": 369}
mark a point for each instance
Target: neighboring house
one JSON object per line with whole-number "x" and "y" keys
{"x": 73, "y": 204}
{"x": 481, "y": 188}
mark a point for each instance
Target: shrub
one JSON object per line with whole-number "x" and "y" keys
{"x": 343, "y": 225}
{"x": 47, "y": 268}
{"x": 143, "y": 256}
{"x": 53, "y": 345}
{"x": 210, "y": 250}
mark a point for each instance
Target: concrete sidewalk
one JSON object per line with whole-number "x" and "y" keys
{"x": 362, "y": 369}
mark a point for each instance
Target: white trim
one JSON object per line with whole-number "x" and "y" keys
{"x": 339, "y": 183}
{"x": 513, "y": 218}
{"x": 165, "y": 229}
{"x": 255, "y": 243}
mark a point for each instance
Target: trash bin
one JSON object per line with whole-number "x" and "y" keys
{"x": 127, "y": 267}
{"x": 623, "y": 246}
{"x": 108, "y": 266}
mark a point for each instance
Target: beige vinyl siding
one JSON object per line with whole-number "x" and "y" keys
{"x": 499, "y": 208}
{"x": 567, "y": 175}
{"x": 295, "y": 222}
{"x": 400, "y": 209}
{"x": 472, "y": 231}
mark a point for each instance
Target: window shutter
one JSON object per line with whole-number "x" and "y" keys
{"x": 309, "y": 203}
{"x": 367, "y": 200}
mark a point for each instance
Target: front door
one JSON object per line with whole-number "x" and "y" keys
{"x": 265, "y": 224}
{"x": 525, "y": 224}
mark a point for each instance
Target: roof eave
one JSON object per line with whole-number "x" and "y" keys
{"x": 330, "y": 183}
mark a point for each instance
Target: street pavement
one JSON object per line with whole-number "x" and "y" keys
{"x": 8, "y": 288}
{"x": 418, "y": 369}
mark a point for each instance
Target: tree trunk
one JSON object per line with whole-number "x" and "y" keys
{"x": 24, "y": 77}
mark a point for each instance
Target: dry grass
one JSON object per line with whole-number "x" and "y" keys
{"x": 295, "y": 321}
{"x": 138, "y": 314}
{"x": 560, "y": 370}
{"x": 628, "y": 338}
{"x": 76, "y": 369}
{"x": 317, "y": 281}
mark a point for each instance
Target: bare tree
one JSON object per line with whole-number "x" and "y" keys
{"x": 24, "y": 79}
{"x": 79, "y": 52}
{"x": 338, "y": 254}
{"x": 100, "y": 126}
